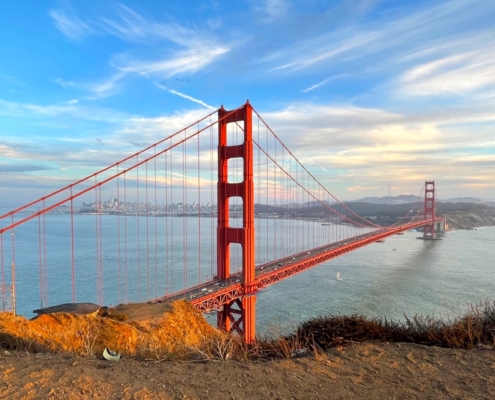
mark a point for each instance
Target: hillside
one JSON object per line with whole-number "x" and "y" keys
{"x": 459, "y": 215}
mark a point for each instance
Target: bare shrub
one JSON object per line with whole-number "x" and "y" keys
{"x": 89, "y": 335}
{"x": 475, "y": 327}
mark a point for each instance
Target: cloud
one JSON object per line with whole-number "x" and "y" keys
{"x": 150, "y": 130}
{"x": 363, "y": 188}
{"x": 9, "y": 168}
{"x": 192, "y": 99}
{"x": 51, "y": 111}
{"x": 70, "y": 25}
{"x": 195, "y": 49}
{"x": 180, "y": 62}
{"x": 454, "y": 74}
{"x": 317, "y": 85}
{"x": 322, "y": 48}
{"x": 183, "y": 49}
{"x": 99, "y": 89}
{"x": 185, "y": 96}
{"x": 388, "y": 42}
{"x": 353, "y": 146}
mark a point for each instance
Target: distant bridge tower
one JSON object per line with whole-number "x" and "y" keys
{"x": 239, "y": 315}
{"x": 429, "y": 210}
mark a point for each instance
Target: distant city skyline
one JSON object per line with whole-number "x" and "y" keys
{"x": 371, "y": 96}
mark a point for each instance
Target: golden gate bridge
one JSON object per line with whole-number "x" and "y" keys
{"x": 154, "y": 238}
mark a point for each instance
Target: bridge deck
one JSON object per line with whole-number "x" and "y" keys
{"x": 214, "y": 294}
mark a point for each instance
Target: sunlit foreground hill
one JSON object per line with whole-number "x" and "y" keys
{"x": 178, "y": 331}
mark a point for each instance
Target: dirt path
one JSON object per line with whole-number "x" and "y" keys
{"x": 362, "y": 371}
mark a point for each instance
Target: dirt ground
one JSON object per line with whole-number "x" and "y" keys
{"x": 362, "y": 371}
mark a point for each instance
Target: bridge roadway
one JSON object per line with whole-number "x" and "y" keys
{"x": 212, "y": 295}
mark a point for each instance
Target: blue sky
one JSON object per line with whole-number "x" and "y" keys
{"x": 368, "y": 94}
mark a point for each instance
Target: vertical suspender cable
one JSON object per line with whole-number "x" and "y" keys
{"x": 45, "y": 263}
{"x": 172, "y": 241}
{"x": 97, "y": 242}
{"x": 101, "y": 251}
{"x": 184, "y": 216}
{"x": 14, "y": 294}
{"x": 258, "y": 189}
{"x": 138, "y": 231}
{"x": 199, "y": 216}
{"x": 276, "y": 237}
{"x": 167, "y": 218}
{"x": 156, "y": 232}
{"x": 2, "y": 263}
{"x": 146, "y": 208}
{"x": 267, "y": 207}
{"x": 212, "y": 233}
{"x": 40, "y": 259}
{"x": 119, "y": 259}
{"x": 126, "y": 260}
{"x": 72, "y": 247}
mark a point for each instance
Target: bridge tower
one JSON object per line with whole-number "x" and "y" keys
{"x": 429, "y": 210}
{"x": 240, "y": 314}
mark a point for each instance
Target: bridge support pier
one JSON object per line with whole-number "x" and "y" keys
{"x": 429, "y": 210}
{"x": 239, "y": 315}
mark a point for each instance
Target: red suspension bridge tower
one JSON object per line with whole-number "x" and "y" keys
{"x": 429, "y": 210}
{"x": 239, "y": 315}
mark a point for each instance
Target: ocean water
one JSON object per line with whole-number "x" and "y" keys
{"x": 402, "y": 276}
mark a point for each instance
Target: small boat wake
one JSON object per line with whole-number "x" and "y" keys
{"x": 338, "y": 276}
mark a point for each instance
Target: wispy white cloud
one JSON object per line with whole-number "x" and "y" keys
{"x": 188, "y": 49}
{"x": 317, "y": 85}
{"x": 321, "y": 49}
{"x": 118, "y": 133}
{"x": 457, "y": 73}
{"x": 69, "y": 110}
{"x": 185, "y": 96}
{"x": 179, "y": 63}
{"x": 13, "y": 168}
{"x": 195, "y": 48}
{"x": 70, "y": 25}
{"x": 99, "y": 89}
{"x": 382, "y": 44}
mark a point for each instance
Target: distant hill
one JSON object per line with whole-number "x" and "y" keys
{"x": 401, "y": 199}
{"x": 408, "y": 198}
{"x": 463, "y": 200}
{"x": 472, "y": 200}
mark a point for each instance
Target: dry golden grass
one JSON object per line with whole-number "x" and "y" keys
{"x": 476, "y": 327}
{"x": 180, "y": 328}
